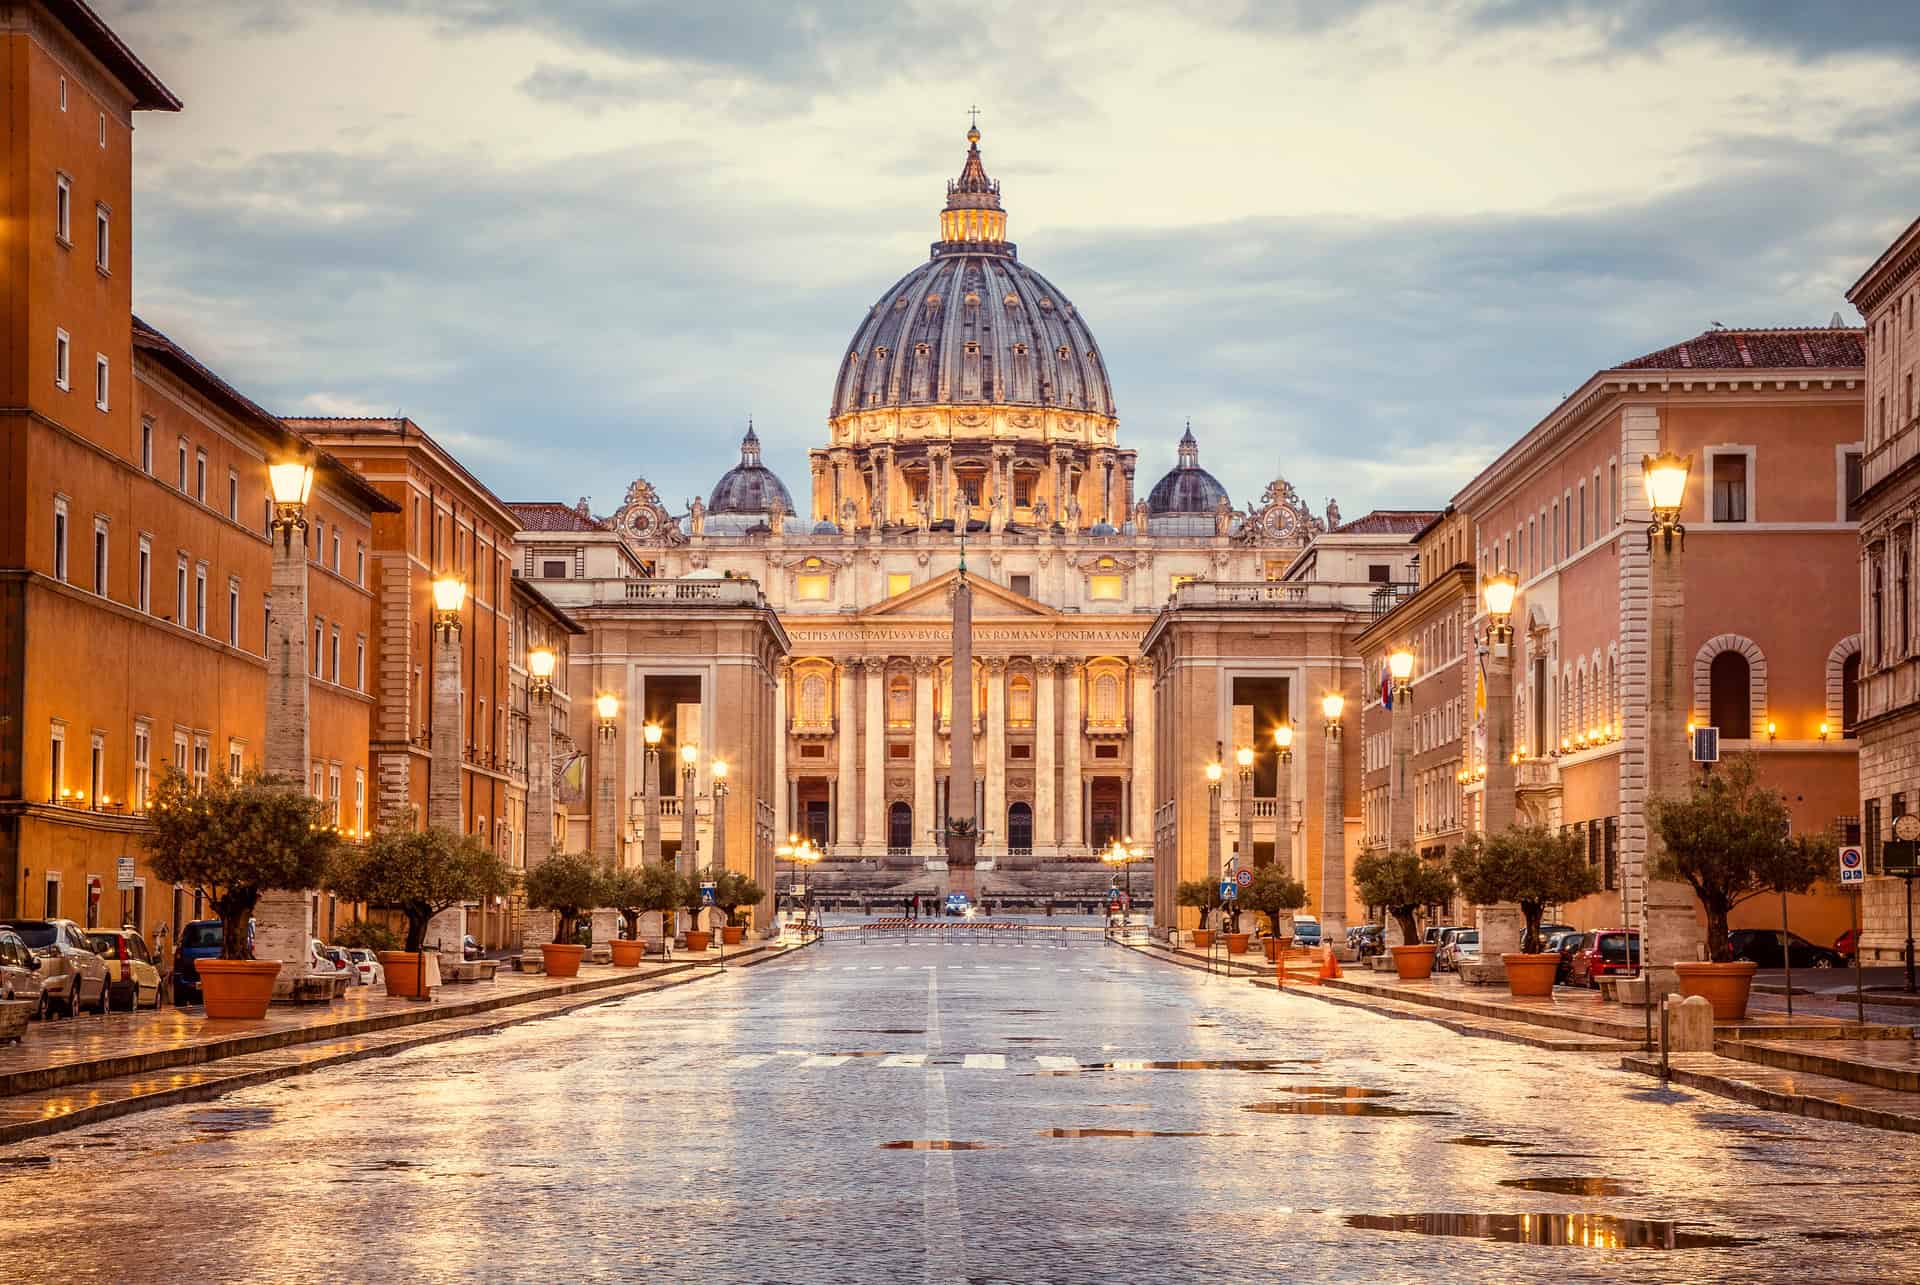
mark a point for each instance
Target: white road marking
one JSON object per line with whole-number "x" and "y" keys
{"x": 1058, "y": 1063}
{"x": 985, "y": 1062}
{"x": 747, "y": 1061}
{"x": 905, "y": 1059}
{"x": 824, "y": 1059}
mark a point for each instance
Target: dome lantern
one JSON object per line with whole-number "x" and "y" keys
{"x": 973, "y": 217}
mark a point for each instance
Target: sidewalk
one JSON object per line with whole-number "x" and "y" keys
{"x": 74, "y": 1072}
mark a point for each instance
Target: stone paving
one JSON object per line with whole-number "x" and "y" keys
{"x": 966, "y": 1113}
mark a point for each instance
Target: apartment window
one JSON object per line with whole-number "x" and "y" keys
{"x": 63, "y": 209}
{"x": 1870, "y": 829}
{"x": 146, "y": 446}
{"x": 1730, "y": 695}
{"x": 360, "y": 665}
{"x": 1613, "y": 495}
{"x": 1022, "y": 585}
{"x": 333, "y": 648}
{"x": 360, "y": 564}
{"x": 142, "y": 766}
{"x": 319, "y": 645}
{"x": 96, "y": 769}
{"x": 1877, "y": 610}
{"x": 200, "y": 476}
{"x": 100, "y": 382}
{"x": 102, "y": 230}
{"x": 266, "y": 624}
{"x": 1583, "y": 517}
{"x": 100, "y": 556}
{"x": 336, "y": 550}
{"x": 57, "y": 762}
{"x": 181, "y": 458}
{"x": 180, "y": 752}
{"x": 1902, "y": 588}
{"x": 1731, "y": 478}
{"x": 553, "y": 569}
{"x": 59, "y": 538}
{"x": 202, "y": 757}
{"x": 314, "y": 786}
{"x": 200, "y": 599}
{"x": 233, "y": 496}
{"x": 233, "y": 612}
{"x": 62, "y": 360}
{"x": 236, "y": 758}
{"x": 103, "y": 129}
{"x": 180, "y": 594}
{"x": 63, "y": 93}
{"x": 1851, "y": 480}
{"x": 359, "y": 799}
{"x": 144, "y": 589}
{"x": 333, "y": 792}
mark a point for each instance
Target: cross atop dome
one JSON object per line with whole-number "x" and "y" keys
{"x": 972, "y": 216}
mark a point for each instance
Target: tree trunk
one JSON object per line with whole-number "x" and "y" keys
{"x": 417, "y": 921}
{"x": 1409, "y": 931}
{"x": 1530, "y": 939}
{"x": 1718, "y": 910}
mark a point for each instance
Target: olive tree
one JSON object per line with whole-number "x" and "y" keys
{"x": 570, "y": 885}
{"x": 1273, "y": 893}
{"x": 1401, "y": 881}
{"x": 635, "y": 890}
{"x": 419, "y": 873}
{"x": 235, "y": 839}
{"x": 1528, "y": 864}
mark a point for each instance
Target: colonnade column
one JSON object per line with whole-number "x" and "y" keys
{"x": 994, "y": 824}
{"x": 1044, "y": 731}
{"x": 1141, "y": 732}
{"x": 1071, "y": 786}
{"x": 924, "y": 821}
{"x": 847, "y": 786}
{"x": 874, "y": 728}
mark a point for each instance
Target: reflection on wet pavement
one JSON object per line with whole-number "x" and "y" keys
{"x": 1588, "y": 1231}
{"x": 1570, "y": 1186}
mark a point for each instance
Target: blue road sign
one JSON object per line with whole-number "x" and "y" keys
{"x": 1228, "y": 891}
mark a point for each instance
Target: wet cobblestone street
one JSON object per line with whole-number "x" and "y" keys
{"x": 979, "y": 1112}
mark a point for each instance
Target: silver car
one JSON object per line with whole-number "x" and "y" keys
{"x": 72, "y": 977}
{"x": 19, "y": 971}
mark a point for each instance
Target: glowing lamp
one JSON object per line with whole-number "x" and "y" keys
{"x": 652, "y": 732}
{"x": 719, "y": 768}
{"x": 291, "y": 482}
{"x": 1283, "y": 735}
{"x": 1243, "y": 756}
{"x": 1666, "y": 479}
{"x": 1498, "y": 593}
{"x": 689, "y": 753}
{"x": 1331, "y": 705}
{"x": 540, "y": 662}
{"x": 1213, "y": 773}
{"x": 1400, "y": 665}
{"x": 607, "y": 706}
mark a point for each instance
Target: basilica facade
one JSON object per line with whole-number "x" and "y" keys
{"x": 972, "y": 418}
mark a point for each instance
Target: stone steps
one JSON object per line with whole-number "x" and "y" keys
{"x": 1882, "y": 1064}
{"x": 1819, "y": 1097}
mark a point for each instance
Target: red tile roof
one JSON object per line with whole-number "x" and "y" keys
{"x": 1792, "y": 348}
{"x": 1390, "y": 522}
{"x": 545, "y": 515}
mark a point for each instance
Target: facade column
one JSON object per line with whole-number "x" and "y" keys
{"x": 924, "y": 820}
{"x": 994, "y": 824}
{"x": 1141, "y": 734}
{"x": 285, "y": 919}
{"x": 1044, "y": 731}
{"x": 782, "y": 797}
{"x": 1333, "y": 839}
{"x": 1670, "y": 933}
{"x": 847, "y": 789}
{"x": 874, "y": 729}
{"x": 1072, "y": 787}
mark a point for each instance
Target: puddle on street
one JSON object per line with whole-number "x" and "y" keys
{"x": 1130, "y": 1133}
{"x": 1335, "y": 1106}
{"x": 1193, "y": 1064}
{"x": 879, "y": 1030}
{"x": 1585, "y": 1231}
{"x": 1482, "y": 1140}
{"x": 1335, "y": 1090}
{"x": 24, "y": 1162}
{"x": 1570, "y": 1186}
{"x": 938, "y": 1144}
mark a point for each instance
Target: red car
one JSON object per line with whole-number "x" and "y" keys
{"x": 1605, "y": 952}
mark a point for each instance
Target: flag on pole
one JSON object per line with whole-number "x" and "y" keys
{"x": 1386, "y": 686}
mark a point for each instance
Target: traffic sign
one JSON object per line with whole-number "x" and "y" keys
{"x": 124, "y": 868}
{"x": 1228, "y": 890}
{"x": 706, "y": 892}
{"x": 1853, "y": 866}
{"x": 1244, "y": 878}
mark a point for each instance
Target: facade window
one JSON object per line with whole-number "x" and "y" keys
{"x": 359, "y": 799}
{"x": 1729, "y": 487}
{"x": 236, "y": 758}
{"x": 62, "y": 360}
{"x": 1870, "y": 827}
{"x": 63, "y": 209}
{"x": 59, "y": 538}
{"x": 144, "y": 589}
{"x": 57, "y": 762}
{"x": 1104, "y": 588}
{"x": 900, "y": 701}
{"x": 1729, "y": 679}
{"x": 53, "y": 894}
{"x": 1849, "y": 693}
{"x": 813, "y": 701}
{"x": 1022, "y": 585}
{"x": 360, "y": 665}
{"x": 100, "y": 556}
{"x": 1877, "y": 609}
{"x": 553, "y": 569}
{"x": 233, "y": 496}
{"x": 333, "y": 792}
{"x": 102, "y": 230}
{"x": 200, "y": 476}
{"x": 142, "y": 765}
{"x": 146, "y": 446}
{"x": 63, "y": 93}
{"x": 319, "y": 647}
{"x": 180, "y": 458}
{"x": 333, "y": 649}
{"x": 360, "y": 564}
{"x": 1583, "y": 517}
{"x": 1851, "y": 480}
{"x": 100, "y": 382}
{"x": 200, "y": 599}
{"x": 180, "y": 752}
{"x": 180, "y": 593}
{"x": 336, "y": 550}
{"x": 1902, "y": 603}
{"x": 233, "y": 612}
{"x": 202, "y": 762}
{"x": 898, "y": 582}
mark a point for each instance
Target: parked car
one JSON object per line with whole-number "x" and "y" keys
{"x": 1306, "y": 930}
{"x": 201, "y": 939}
{"x": 958, "y": 905}
{"x": 335, "y": 958}
{"x": 72, "y": 977}
{"x": 1442, "y": 941}
{"x": 469, "y": 948}
{"x": 132, "y": 979}
{"x": 366, "y": 966}
{"x": 1609, "y": 952}
{"x": 1463, "y": 946}
{"x": 19, "y": 972}
{"x": 1847, "y": 944}
{"x": 1549, "y": 930}
{"x": 1763, "y": 947}
{"x": 1434, "y": 933}
{"x": 1366, "y": 939}
{"x": 1564, "y": 944}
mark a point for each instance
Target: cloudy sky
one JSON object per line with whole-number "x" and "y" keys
{"x": 1363, "y": 243}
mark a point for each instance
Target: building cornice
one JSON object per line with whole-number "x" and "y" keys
{"x": 1895, "y": 264}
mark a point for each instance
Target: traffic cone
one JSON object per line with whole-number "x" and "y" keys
{"x": 1329, "y": 967}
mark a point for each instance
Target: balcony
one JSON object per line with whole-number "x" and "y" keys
{"x": 1277, "y": 594}
{"x": 1388, "y": 596}
{"x": 654, "y": 593}
{"x": 814, "y": 727}
{"x": 1106, "y": 727}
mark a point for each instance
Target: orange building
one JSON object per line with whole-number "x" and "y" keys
{"x": 134, "y": 555}
{"x": 1771, "y": 420}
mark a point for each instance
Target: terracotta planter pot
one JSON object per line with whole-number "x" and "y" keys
{"x": 403, "y": 970}
{"x": 1237, "y": 943}
{"x": 1725, "y": 986}
{"x": 732, "y": 936}
{"x": 562, "y": 960}
{"x": 1413, "y": 963}
{"x": 1530, "y": 976}
{"x": 1203, "y": 939}
{"x": 237, "y": 988}
{"x": 626, "y": 954}
{"x": 697, "y": 940}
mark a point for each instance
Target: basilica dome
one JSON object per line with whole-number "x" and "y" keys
{"x": 749, "y": 487}
{"x": 1186, "y": 495}
{"x": 973, "y": 325}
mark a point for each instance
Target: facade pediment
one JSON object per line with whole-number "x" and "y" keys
{"x": 934, "y": 598}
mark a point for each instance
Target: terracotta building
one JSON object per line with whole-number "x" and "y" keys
{"x": 1771, "y": 421}
{"x": 1886, "y": 699}
{"x": 538, "y": 724}
{"x": 133, "y": 521}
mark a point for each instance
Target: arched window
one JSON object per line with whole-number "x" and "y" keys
{"x": 1730, "y": 681}
{"x": 1019, "y": 827}
{"x": 1020, "y": 701}
{"x": 900, "y": 701}
{"x": 1849, "y": 693}
{"x": 813, "y": 701}
{"x": 900, "y": 827}
{"x": 1106, "y": 700}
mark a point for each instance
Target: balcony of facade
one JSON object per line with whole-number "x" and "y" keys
{"x": 669, "y": 594}
{"x": 816, "y": 728}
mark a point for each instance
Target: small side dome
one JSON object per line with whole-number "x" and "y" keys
{"x": 1185, "y": 500}
{"x": 825, "y": 527}
{"x": 1099, "y": 529}
{"x": 750, "y": 487}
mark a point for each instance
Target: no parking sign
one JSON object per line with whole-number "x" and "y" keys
{"x": 1853, "y": 867}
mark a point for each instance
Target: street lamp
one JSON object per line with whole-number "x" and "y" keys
{"x": 650, "y": 815}
{"x": 1665, "y": 475}
{"x": 449, "y": 596}
{"x": 689, "y": 834}
{"x": 1283, "y": 799}
{"x": 1123, "y": 853}
{"x": 285, "y": 925}
{"x": 291, "y": 483}
{"x": 1214, "y": 772}
{"x": 540, "y": 663}
{"x": 1400, "y": 665}
{"x": 607, "y": 707}
{"x": 719, "y": 770}
{"x": 1243, "y": 757}
{"x": 1400, "y": 785}
{"x": 1498, "y": 593}
{"x": 1333, "y": 825}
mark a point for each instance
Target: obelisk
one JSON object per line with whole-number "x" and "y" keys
{"x": 961, "y": 826}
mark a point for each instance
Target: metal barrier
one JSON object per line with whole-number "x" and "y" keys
{"x": 965, "y": 930}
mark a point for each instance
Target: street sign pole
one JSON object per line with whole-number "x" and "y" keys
{"x": 1786, "y": 949}
{"x": 1859, "y": 983}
